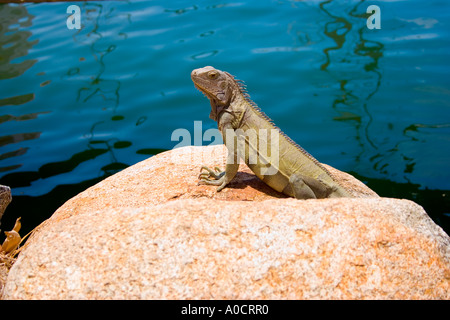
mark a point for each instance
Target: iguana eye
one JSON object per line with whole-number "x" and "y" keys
{"x": 213, "y": 75}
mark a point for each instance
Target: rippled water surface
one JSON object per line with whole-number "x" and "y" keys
{"x": 79, "y": 105}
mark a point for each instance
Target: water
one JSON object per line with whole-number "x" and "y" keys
{"x": 79, "y": 105}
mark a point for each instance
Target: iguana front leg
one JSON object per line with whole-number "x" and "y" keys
{"x": 220, "y": 179}
{"x": 217, "y": 174}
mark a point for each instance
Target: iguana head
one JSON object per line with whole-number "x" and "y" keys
{"x": 217, "y": 86}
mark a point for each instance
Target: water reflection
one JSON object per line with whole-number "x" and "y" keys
{"x": 393, "y": 154}
{"x": 17, "y": 100}
{"x": 25, "y": 179}
{"x": 14, "y": 44}
{"x": 352, "y": 104}
{"x": 336, "y": 30}
{"x": 94, "y": 85}
{"x": 98, "y": 86}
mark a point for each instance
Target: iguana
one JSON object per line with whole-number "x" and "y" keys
{"x": 271, "y": 155}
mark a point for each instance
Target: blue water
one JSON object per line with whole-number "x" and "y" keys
{"x": 79, "y": 105}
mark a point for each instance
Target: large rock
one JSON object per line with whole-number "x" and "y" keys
{"x": 174, "y": 175}
{"x": 149, "y": 232}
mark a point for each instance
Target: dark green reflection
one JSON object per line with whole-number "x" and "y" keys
{"x": 99, "y": 87}
{"x": 17, "y": 100}
{"x": 55, "y": 168}
{"x": 122, "y": 144}
{"x": 19, "y": 137}
{"x": 24, "y": 179}
{"x": 352, "y": 104}
{"x": 30, "y": 116}
{"x": 336, "y": 29}
{"x": 15, "y": 44}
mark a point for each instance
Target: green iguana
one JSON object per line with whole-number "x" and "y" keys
{"x": 249, "y": 134}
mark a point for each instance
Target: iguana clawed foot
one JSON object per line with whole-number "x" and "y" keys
{"x": 210, "y": 177}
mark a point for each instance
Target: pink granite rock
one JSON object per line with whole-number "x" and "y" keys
{"x": 149, "y": 232}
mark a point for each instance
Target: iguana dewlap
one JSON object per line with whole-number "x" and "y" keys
{"x": 250, "y": 135}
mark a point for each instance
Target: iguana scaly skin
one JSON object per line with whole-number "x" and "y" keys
{"x": 280, "y": 162}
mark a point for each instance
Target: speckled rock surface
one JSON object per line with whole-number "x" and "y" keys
{"x": 122, "y": 239}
